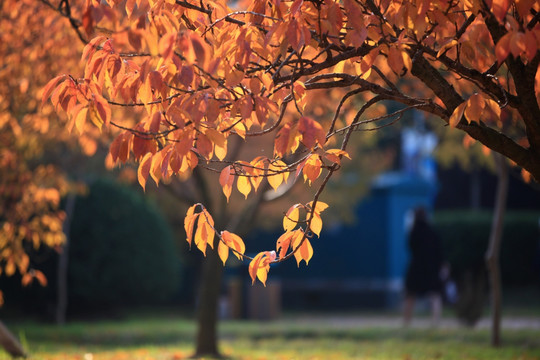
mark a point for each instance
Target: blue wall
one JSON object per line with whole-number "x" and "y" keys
{"x": 371, "y": 270}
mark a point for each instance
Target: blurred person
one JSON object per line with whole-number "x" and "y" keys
{"x": 426, "y": 268}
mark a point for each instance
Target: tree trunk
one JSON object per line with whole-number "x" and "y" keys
{"x": 9, "y": 342}
{"x": 207, "y": 306}
{"x": 492, "y": 254}
{"x": 62, "y": 269}
{"x": 212, "y": 273}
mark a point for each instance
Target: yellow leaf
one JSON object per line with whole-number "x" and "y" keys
{"x": 304, "y": 250}
{"x": 457, "y": 114}
{"x": 201, "y": 235}
{"x": 80, "y": 119}
{"x": 277, "y": 179}
{"x": 223, "y": 251}
{"x": 243, "y": 185}
{"x": 290, "y": 220}
{"x": 316, "y": 224}
{"x": 235, "y": 242}
{"x": 95, "y": 118}
{"x": 319, "y": 207}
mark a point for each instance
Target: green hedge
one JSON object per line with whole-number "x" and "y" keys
{"x": 122, "y": 251}
{"x": 465, "y": 237}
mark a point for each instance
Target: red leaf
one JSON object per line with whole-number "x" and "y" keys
{"x": 312, "y": 132}
{"x": 204, "y": 146}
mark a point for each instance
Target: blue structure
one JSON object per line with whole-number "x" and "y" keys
{"x": 371, "y": 270}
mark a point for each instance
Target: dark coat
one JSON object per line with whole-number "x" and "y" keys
{"x": 423, "y": 274}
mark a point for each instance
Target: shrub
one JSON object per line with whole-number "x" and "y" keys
{"x": 122, "y": 251}
{"x": 465, "y": 238}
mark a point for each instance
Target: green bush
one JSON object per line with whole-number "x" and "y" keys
{"x": 465, "y": 237}
{"x": 122, "y": 251}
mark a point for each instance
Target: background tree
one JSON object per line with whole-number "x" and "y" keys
{"x": 31, "y": 188}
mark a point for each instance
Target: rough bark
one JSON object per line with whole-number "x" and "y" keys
{"x": 492, "y": 254}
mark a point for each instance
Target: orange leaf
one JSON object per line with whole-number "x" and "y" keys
{"x": 502, "y": 49}
{"x": 283, "y": 243}
{"x": 166, "y": 45}
{"x": 335, "y": 155}
{"x": 281, "y": 143}
{"x": 103, "y": 108}
{"x": 494, "y": 108}
{"x": 312, "y": 168}
{"x": 47, "y": 89}
{"x": 40, "y": 277}
{"x": 500, "y": 9}
{"x": 395, "y": 60}
{"x": 475, "y": 107}
{"x": 144, "y": 170}
{"x": 524, "y": 7}
{"x": 26, "y": 279}
{"x": 155, "y": 167}
{"x": 189, "y": 223}
{"x": 204, "y": 235}
{"x": 260, "y": 265}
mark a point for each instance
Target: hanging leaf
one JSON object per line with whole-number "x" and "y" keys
{"x": 290, "y": 220}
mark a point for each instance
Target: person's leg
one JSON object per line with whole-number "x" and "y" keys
{"x": 436, "y": 308}
{"x": 408, "y": 308}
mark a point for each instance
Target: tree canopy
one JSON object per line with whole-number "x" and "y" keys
{"x": 196, "y": 73}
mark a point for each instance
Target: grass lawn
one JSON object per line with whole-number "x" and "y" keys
{"x": 171, "y": 337}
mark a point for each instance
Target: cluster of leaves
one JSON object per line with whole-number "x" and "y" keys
{"x": 29, "y": 208}
{"x": 201, "y": 73}
{"x": 200, "y": 229}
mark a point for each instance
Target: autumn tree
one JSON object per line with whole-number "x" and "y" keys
{"x": 36, "y": 152}
{"x": 201, "y": 73}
